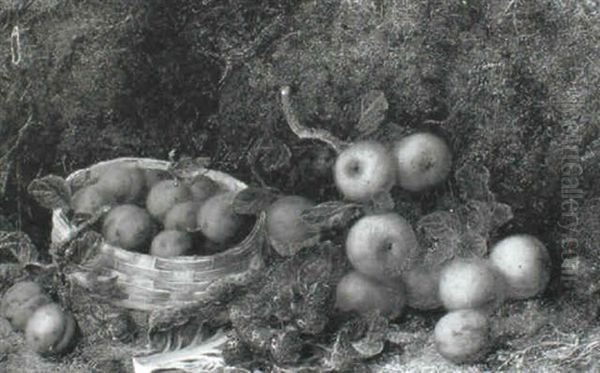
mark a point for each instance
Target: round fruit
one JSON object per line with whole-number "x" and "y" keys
{"x": 284, "y": 222}
{"x": 128, "y": 226}
{"x": 164, "y": 195}
{"x": 182, "y": 216}
{"x": 382, "y": 246}
{"x": 357, "y": 292}
{"x": 170, "y": 243}
{"x": 125, "y": 184}
{"x": 203, "y": 187}
{"x": 462, "y": 336}
{"x": 50, "y": 330}
{"x": 470, "y": 283}
{"x": 422, "y": 288}
{"x": 363, "y": 170}
{"x": 89, "y": 200}
{"x": 217, "y": 220}
{"x": 524, "y": 263}
{"x": 422, "y": 160}
{"x": 20, "y": 302}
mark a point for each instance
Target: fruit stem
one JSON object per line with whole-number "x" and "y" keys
{"x": 306, "y": 132}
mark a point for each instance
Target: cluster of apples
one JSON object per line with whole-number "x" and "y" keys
{"x": 49, "y": 329}
{"x": 384, "y": 251}
{"x": 193, "y": 217}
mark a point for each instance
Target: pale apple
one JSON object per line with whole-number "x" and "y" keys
{"x": 20, "y": 302}
{"x": 358, "y": 292}
{"x": 422, "y": 161}
{"x": 463, "y": 336}
{"x": 217, "y": 220}
{"x": 382, "y": 246}
{"x": 50, "y": 330}
{"x": 470, "y": 283}
{"x": 363, "y": 170}
{"x": 170, "y": 243}
{"x": 203, "y": 187}
{"x": 166, "y": 194}
{"x": 285, "y": 224}
{"x": 124, "y": 184}
{"x": 182, "y": 216}
{"x": 525, "y": 264}
{"x": 88, "y": 200}
{"x": 128, "y": 226}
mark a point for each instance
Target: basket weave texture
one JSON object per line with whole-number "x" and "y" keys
{"x": 149, "y": 282}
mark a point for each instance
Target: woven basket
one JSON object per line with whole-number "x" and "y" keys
{"x": 150, "y": 282}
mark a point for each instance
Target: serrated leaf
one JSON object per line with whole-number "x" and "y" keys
{"x": 253, "y": 200}
{"x": 51, "y": 191}
{"x": 186, "y": 167}
{"x": 473, "y": 182}
{"x": 443, "y": 231}
{"x": 380, "y": 203}
{"x": 331, "y": 214}
{"x": 83, "y": 248}
{"x": 374, "y": 108}
{"x": 18, "y": 246}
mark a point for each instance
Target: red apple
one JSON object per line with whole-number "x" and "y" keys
{"x": 524, "y": 262}
{"x": 462, "y": 336}
{"x": 363, "y": 170}
{"x": 382, "y": 246}
{"x": 470, "y": 283}
{"x": 422, "y": 160}
{"x": 217, "y": 220}
{"x": 166, "y": 194}
{"x": 357, "y": 292}
{"x": 284, "y": 222}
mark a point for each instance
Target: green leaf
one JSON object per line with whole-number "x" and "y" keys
{"x": 331, "y": 215}
{"x": 253, "y": 200}
{"x": 18, "y": 246}
{"x": 51, "y": 191}
{"x": 374, "y": 108}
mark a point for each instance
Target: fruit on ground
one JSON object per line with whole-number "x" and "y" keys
{"x": 382, "y": 246}
{"x": 422, "y": 161}
{"x": 20, "y": 302}
{"x": 182, "y": 216}
{"x": 463, "y": 336}
{"x": 217, "y": 220}
{"x": 422, "y": 287}
{"x": 164, "y": 195}
{"x": 203, "y": 187}
{"x": 125, "y": 184}
{"x": 88, "y": 200}
{"x": 171, "y": 243}
{"x": 525, "y": 264}
{"x": 128, "y": 226}
{"x": 358, "y": 292}
{"x": 285, "y": 224}
{"x": 363, "y": 170}
{"x": 470, "y": 283}
{"x": 50, "y": 330}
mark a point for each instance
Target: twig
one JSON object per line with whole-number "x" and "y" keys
{"x": 6, "y": 162}
{"x": 305, "y": 132}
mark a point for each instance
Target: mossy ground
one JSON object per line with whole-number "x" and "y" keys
{"x": 511, "y": 85}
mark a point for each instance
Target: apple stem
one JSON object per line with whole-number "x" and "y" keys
{"x": 306, "y": 132}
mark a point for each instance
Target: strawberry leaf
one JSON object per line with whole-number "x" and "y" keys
{"x": 17, "y": 246}
{"x": 331, "y": 215}
{"x": 51, "y": 191}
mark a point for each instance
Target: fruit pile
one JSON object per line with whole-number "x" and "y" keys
{"x": 152, "y": 212}
{"x": 385, "y": 253}
{"x": 49, "y": 329}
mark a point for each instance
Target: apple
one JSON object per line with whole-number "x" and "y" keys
{"x": 217, "y": 220}
{"x": 358, "y": 292}
{"x": 422, "y": 287}
{"x": 166, "y": 194}
{"x": 363, "y": 170}
{"x": 170, "y": 243}
{"x": 462, "y": 336}
{"x": 153, "y": 176}
{"x": 20, "y": 302}
{"x": 422, "y": 161}
{"x": 470, "y": 283}
{"x": 182, "y": 216}
{"x": 50, "y": 330}
{"x": 90, "y": 199}
{"x": 525, "y": 264}
{"x": 125, "y": 184}
{"x": 284, "y": 222}
{"x": 203, "y": 187}
{"x": 128, "y": 226}
{"x": 382, "y": 246}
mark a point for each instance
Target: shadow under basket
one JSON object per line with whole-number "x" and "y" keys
{"x": 148, "y": 282}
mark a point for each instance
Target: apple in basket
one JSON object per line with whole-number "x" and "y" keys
{"x": 171, "y": 243}
{"x": 126, "y": 184}
{"x": 164, "y": 195}
{"x": 182, "y": 216}
{"x": 217, "y": 220}
{"x": 203, "y": 187}
{"x": 128, "y": 226}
